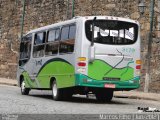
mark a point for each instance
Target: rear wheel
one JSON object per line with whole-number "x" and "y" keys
{"x": 24, "y": 90}
{"x": 104, "y": 95}
{"x": 56, "y": 92}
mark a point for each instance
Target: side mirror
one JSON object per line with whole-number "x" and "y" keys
{"x": 91, "y": 53}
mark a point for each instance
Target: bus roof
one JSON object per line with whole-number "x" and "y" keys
{"x": 52, "y": 25}
{"x": 82, "y": 18}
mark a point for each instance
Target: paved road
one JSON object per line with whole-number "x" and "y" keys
{"x": 38, "y": 102}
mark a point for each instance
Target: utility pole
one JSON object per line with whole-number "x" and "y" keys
{"x": 67, "y": 9}
{"x": 73, "y": 1}
{"x": 22, "y": 19}
{"x": 148, "y": 75}
{"x": 70, "y": 9}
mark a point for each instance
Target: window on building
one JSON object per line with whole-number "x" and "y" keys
{"x": 67, "y": 39}
{"x": 52, "y": 42}
{"x": 39, "y": 44}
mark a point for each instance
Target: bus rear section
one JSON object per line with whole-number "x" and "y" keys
{"x": 111, "y": 60}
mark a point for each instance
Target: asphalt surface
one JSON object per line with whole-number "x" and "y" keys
{"x": 40, "y": 102}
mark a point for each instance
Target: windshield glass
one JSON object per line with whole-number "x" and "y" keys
{"x": 112, "y": 32}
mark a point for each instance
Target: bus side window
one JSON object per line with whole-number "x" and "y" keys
{"x": 25, "y": 49}
{"x": 39, "y": 43}
{"x": 67, "y": 39}
{"x": 72, "y": 32}
{"x": 52, "y": 43}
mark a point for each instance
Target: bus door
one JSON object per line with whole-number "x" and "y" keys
{"x": 25, "y": 53}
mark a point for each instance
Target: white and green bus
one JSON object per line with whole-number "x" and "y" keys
{"x": 90, "y": 54}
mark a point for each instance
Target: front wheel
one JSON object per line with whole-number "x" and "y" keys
{"x": 104, "y": 95}
{"x": 56, "y": 92}
{"x": 24, "y": 90}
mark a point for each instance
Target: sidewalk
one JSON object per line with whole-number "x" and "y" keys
{"x": 118, "y": 94}
{"x": 6, "y": 81}
{"x": 137, "y": 95}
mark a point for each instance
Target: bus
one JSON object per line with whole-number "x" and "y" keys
{"x": 85, "y": 55}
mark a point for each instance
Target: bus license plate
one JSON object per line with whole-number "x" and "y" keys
{"x": 112, "y": 79}
{"x": 110, "y": 86}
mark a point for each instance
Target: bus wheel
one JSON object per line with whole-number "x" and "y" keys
{"x": 56, "y": 92}
{"x": 24, "y": 91}
{"x": 104, "y": 96}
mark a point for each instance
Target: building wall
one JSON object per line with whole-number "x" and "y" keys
{"x": 43, "y": 12}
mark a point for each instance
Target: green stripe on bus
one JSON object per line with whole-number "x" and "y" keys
{"x": 62, "y": 71}
{"x": 83, "y": 80}
{"x": 28, "y": 82}
{"x": 98, "y": 68}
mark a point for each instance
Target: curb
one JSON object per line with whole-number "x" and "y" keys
{"x": 135, "y": 97}
{"x": 10, "y": 84}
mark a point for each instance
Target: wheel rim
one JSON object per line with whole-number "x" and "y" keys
{"x": 23, "y": 86}
{"x": 54, "y": 90}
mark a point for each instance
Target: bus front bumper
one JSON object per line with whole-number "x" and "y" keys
{"x": 82, "y": 80}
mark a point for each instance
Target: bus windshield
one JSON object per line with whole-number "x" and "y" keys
{"x": 112, "y": 32}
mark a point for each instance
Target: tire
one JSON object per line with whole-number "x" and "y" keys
{"x": 56, "y": 92}
{"x": 24, "y": 91}
{"x": 104, "y": 95}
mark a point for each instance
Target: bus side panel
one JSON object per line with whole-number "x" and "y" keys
{"x": 98, "y": 69}
{"x": 29, "y": 83}
{"x": 62, "y": 71}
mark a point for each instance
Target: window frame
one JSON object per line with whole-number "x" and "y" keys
{"x": 69, "y": 31}
{"x": 61, "y": 32}
{"x": 42, "y": 44}
{"x": 72, "y": 24}
{"x": 26, "y": 59}
{"x": 55, "y": 41}
{"x": 136, "y": 29}
{"x": 43, "y": 38}
{"x": 56, "y": 28}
